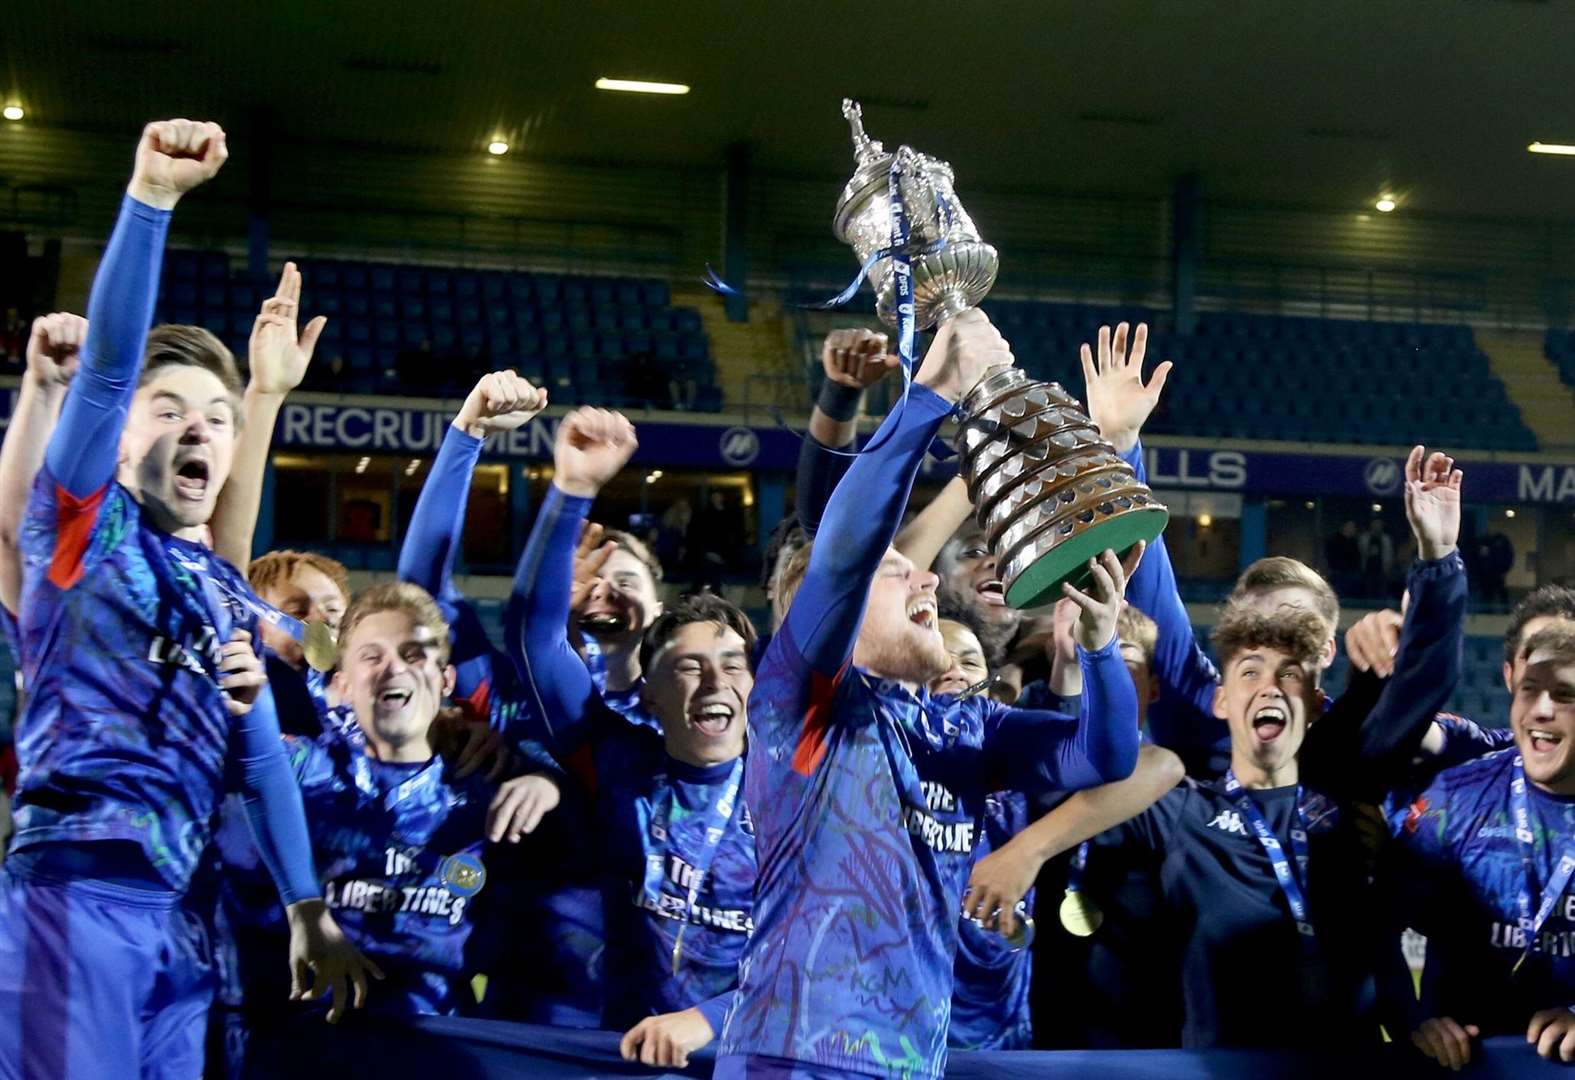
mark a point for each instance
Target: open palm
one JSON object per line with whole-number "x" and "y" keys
{"x": 1432, "y": 501}
{"x": 278, "y": 356}
{"x": 1119, "y": 402}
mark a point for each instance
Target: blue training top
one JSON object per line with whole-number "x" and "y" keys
{"x": 867, "y": 798}
{"x": 126, "y": 736}
{"x": 1463, "y": 871}
{"x": 635, "y": 785}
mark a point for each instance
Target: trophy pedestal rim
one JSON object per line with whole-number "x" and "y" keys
{"x": 1040, "y": 582}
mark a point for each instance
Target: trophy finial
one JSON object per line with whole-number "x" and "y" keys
{"x": 865, "y": 149}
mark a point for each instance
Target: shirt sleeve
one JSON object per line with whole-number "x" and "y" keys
{"x": 273, "y": 801}
{"x": 1362, "y": 752}
{"x": 820, "y": 470}
{"x": 85, "y": 447}
{"x": 715, "y": 1010}
{"x": 1183, "y": 718}
{"x": 560, "y": 697}
{"x": 426, "y": 558}
{"x": 1040, "y": 752}
{"x": 861, "y": 520}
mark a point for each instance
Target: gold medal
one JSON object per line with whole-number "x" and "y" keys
{"x": 322, "y": 652}
{"x": 1080, "y": 915}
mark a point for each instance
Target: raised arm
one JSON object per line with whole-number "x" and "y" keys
{"x": 52, "y": 351}
{"x": 1370, "y": 749}
{"x": 853, "y": 361}
{"x": 173, "y": 157}
{"x": 1044, "y": 752}
{"x": 864, "y": 512}
{"x": 923, "y": 537}
{"x": 592, "y": 446}
{"x": 1119, "y": 402}
{"x": 278, "y": 358}
{"x": 501, "y": 401}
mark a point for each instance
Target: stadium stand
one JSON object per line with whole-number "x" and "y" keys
{"x": 430, "y": 330}
{"x": 1561, "y": 350}
{"x": 1248, "y": 376}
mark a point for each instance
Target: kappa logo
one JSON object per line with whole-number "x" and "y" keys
{"x": 1228, "y": 821}
{"x": 1382, "y": 476}
{"x": 739, "y": 446}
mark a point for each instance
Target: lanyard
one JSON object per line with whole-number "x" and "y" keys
{"x": 321, "y": 652}
{"x": 1290, "y": 879}
{"x": 1532, "y": 925}
{"x": 1074, "y": 873}
{"x": 658, "y": 833}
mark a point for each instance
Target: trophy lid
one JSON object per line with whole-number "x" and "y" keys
{"x": 873, "y": 164}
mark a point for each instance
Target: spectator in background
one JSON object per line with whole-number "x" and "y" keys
{"x": 1343, "y": 554}
{"x": 13, "y": 338}
{"x": 715, "y": 533}
{"x": 1493, "y": 559}
{"x": 1378, "y": 558}
{"x": 672, "y": 531}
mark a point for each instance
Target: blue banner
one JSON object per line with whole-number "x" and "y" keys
{"x": 368, "y": 1045}
{"x": 1174, "y": 463}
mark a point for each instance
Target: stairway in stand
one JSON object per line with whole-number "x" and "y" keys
{"x": 754, "y": 363}
{"x": 1545, "y": 403}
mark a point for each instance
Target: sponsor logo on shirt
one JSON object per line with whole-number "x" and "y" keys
{"x": 1555, "y": 943}
{"x": 956, "y": 837}
{"x": 682, "y": 875}
{"x": 1229, "y": 821}
{"x": 188, "y": 654}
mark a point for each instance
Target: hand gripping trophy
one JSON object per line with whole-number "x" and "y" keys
{"x": 1048, "y": 491}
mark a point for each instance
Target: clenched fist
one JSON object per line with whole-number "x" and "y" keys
{"x": 857, "y": 359}
{"x": 593, "y": 444}
{"x": 502, "y": 401}
{"x": 54, "y": 347}
{"x": 173, "y": 157}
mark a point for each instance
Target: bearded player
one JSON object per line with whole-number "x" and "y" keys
{"x": 145, "y": 687}
{"x": 867, "y": 792}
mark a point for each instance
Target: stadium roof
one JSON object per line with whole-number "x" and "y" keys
{"x": 1322, "y": 104}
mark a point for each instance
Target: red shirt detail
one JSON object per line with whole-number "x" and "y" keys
{"x": 817, "y": 721}
{"x": 73, "y": 533}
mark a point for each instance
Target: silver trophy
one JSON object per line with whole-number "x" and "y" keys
{"x": 1047, "y": 489}
{"x": 946, "y": 281}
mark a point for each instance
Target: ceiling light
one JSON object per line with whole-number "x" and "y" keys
{"x": 13, "y": 112}
{"x": 1535, "y": 148}
{"x": 1384, "y": 204}
{"x": 1509, "y": 513}
{"x": 1310, "y": 504}
{"x": 640, "y": 86}
{"x": 497, "y": 148}
{"x": 1378, "y": 508}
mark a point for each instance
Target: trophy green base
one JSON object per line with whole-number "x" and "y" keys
{"x": 1040, "y": 584}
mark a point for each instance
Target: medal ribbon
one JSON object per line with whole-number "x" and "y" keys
{"x": 1291, "y": 880}
{"x": 657, "y": 829}
{"x": 247, "y": 599}
{"x": 1074, "y": 873}
{"x": 1532, "y": 924}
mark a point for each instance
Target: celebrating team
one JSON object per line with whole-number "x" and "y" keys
{"x": 819, "y": 849}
